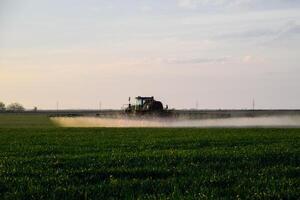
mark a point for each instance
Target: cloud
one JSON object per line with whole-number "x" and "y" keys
{"x": 146, "y": 8}
{"x": 201, "y": 3}
{"x": 198, "y": 60}
{"x": 245, "y": 4}
{"x": 217, "y": 60}
{"x": 263, "y": 34}
{"x": 186, "y": 3}
{"x": 252, "y": 59}
{"x": 290, "y": 29}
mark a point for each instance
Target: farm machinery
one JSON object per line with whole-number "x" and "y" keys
{"x": 146, "y": 106}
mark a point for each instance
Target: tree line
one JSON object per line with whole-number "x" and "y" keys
{"x": 11, "y": 107}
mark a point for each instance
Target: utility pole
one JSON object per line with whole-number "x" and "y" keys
{"x": 197, "y": 104}
{"x": 57, "y": 106}
{"x": 253, "y": 104}
{"x": 99, "y": 106}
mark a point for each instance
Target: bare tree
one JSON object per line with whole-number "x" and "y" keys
{"x": 2, "y": 106}
{"x": 15, "y": 107}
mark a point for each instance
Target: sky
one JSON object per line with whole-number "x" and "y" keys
{"x": 217, "y": 54}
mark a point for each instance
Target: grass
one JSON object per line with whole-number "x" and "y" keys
{"x": 19, "y": 120}
{"x": 148, "y": 163}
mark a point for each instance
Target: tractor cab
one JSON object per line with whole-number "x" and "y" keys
{"x": 140, "y": 102}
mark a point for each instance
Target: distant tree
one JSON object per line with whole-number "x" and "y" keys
{"x": 15, "y": 107}
{"x": 2, "y": 106}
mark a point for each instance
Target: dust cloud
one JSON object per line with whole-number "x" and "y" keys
{"x": 282, "y": 121}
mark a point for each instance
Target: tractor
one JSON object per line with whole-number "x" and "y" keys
{"x": 145, "y": 105}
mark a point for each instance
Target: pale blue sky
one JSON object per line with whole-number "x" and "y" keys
{"x": 221, "y": 53}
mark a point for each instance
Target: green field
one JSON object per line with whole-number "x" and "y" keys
{"x": 11, "y": 120}
{"x": 41, "y": 161}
